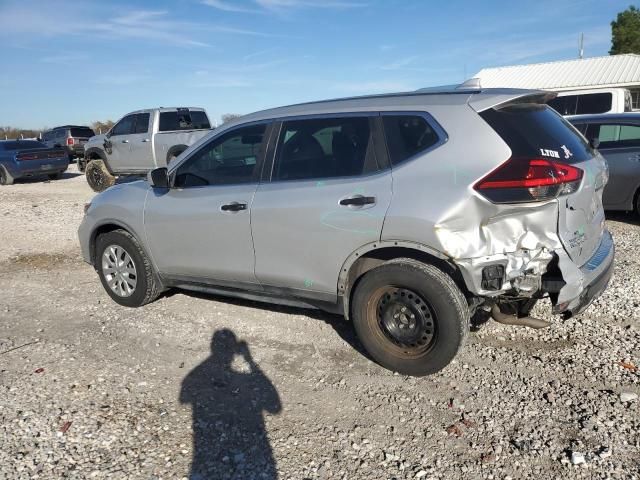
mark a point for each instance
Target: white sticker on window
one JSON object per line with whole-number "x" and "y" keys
{"x": 549, "y": 153}
{"x": 567, "y": 152}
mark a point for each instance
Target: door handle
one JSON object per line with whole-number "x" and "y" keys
{"x": 125, "y": 141}
{"x": 145, "y": 140}
{"x": 233, "y": 207}
{"x": 357, "y": 201}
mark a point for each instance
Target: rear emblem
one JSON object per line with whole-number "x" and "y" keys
{"x": 567, "y": 152}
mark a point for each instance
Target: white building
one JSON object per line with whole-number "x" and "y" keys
{"x": 587, "y": 73}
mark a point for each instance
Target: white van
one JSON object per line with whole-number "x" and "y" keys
{"x": 599, "y": 100}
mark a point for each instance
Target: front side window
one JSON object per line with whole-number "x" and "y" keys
{"x": 325, "y": 148}
{"x": 615, "y": 136}
{"x": 407, "y": 135}
{"x": 124, "y": 126}
{"x": 227, "y": 160}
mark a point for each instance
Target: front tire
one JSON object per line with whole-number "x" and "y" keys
{"x": 411, "y": 317}
{"x": 124, "y": 269}
{"x": 98, "y": 177}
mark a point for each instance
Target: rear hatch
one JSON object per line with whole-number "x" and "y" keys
{"x": 550, "y": 160}
{"x": 80, "y": 135}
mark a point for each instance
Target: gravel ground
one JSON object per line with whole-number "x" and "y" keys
{"x": 204, "y": 387}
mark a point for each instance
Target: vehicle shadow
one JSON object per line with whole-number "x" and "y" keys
{"x": 44, "y": 179}
{"x": 343, "y": 328}
{"x": 626, "y": 217}
{"x": 228, "y": 403}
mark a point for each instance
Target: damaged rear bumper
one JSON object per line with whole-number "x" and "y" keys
{"x": 530, "y": 273}
{"x": 585, "y": 284}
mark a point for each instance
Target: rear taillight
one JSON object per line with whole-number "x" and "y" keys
{"x": 71, "y": 141}
{"x": 529, "y": 180}
{"x": 26, "y": 156}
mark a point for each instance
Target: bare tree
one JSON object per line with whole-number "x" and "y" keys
{"x": 227, "y": 117}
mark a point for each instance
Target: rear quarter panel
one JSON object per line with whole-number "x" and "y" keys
{"x": 434, "y": 203}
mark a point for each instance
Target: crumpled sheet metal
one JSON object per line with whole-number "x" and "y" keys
{"x": 476, "y": 234}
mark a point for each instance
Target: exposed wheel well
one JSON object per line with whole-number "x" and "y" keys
{"x": 110, "y": 227}
{"x": 375, "y": 258}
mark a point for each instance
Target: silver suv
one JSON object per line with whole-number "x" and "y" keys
{"x": 414, "y": 215}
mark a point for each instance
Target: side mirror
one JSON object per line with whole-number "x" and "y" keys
{"x": 159, "y": 178}
{"x": 594, "y": 142}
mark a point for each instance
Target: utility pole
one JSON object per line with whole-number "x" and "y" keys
{"x": 581, "y": 52}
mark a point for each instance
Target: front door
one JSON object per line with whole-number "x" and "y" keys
{"x": 200, "y": 229}
{"x": 117, "y": 145}
{"x": 140, "y": 145}
{"x": 328, "y": 197}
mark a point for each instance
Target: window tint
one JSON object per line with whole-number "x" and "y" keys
{"x": 594, "y": 103}
{"x": 616, "y": 136}
{"x": 124, "y": 126}
{"x": 142, "y": 123}
{"x": 325, "y": 148}
{"x": 566, "y": 105}
{"x": 407, "y": 135}
{"x": 230, "y": 159}
{"x": 183, "y": 120}
{"x": 534, "y": 130}
{"x": 82, "y": 132}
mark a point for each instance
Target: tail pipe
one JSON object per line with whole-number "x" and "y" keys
{"x": 507, "y": 319}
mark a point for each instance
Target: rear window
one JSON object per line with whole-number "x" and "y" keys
{"x": 183, "y": 120}
{"x": 582, "y": 104}
{"x": 22, "y": 145}
{"x": 82, "y": 132}
{"x": 534, "y": 130}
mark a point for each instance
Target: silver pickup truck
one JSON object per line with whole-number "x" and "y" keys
{"x": 141, "y": 141}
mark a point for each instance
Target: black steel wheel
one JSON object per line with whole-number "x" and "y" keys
{"x": 410, "y": 316}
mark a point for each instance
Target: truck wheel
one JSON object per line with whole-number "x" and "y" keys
{"x": 411, "y": 317}
{"x": 98, "y": 177}
{"x": 81, "y": 164}
{"x": 125, "y": 271}
{"x": 5, "y": 177}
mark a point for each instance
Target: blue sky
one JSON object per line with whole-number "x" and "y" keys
{"x": 76, "y": 61}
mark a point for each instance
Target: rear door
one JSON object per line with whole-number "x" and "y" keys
{"x": 537, "y": 131}
{"x": 620, "y": 146}
{"x": 328, "y": 196}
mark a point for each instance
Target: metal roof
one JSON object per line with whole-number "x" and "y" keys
{"x": 609, "y": 71}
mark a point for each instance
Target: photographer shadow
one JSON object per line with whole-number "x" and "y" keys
{"x": 229, "y": 436}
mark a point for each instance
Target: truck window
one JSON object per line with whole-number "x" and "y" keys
{"x": 183, "y": 120}
{"x": 594, "y": 103}
{"x": 124, "y": 126}
{"x": 142, "y": 123}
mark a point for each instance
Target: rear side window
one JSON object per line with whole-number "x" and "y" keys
{"x": 566, "y": 105}
{"x": 407, "y": 135}
{"x": 534, "y": 130}
{"x": 183, "y": 120}
{"x": 325, "y": 148}
{"x": 142, "y": 123}
{"x": 615, "y": 136}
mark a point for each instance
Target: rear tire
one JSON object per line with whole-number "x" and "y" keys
{"x": 124, "y": 269}
{"x": 411, "y": 317}
{"x": 55, "y": 176}
{"x": 5, "y": 177}
{"x": 637, "y": 205}
{"x": 98, "y": 177}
